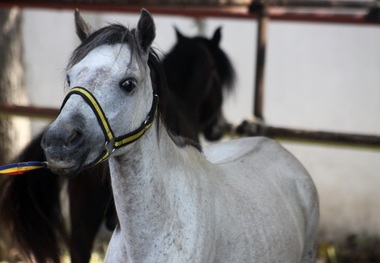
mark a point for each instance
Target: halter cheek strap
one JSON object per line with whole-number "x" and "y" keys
{"x": 111, "y": 142}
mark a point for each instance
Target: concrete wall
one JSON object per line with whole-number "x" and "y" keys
{"x": 324, "y": 77}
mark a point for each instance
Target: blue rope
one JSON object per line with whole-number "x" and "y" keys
{"x": 20, "y": 168}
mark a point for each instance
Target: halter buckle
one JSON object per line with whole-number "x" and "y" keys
{"x": 110, "y": 146}
{"x": 146, "y": 121}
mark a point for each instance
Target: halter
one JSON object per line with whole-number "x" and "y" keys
{"x": 111, "y": 142}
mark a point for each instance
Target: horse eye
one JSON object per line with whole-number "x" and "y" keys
{"x": 128, "y": 85}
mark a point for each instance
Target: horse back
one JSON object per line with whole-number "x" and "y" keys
{"x": 274, "y": 196}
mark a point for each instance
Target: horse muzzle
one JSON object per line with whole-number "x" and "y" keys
{"x": 65, "y": 149}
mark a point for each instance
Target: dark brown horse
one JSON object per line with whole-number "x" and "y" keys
{"x": 198, "y": 72}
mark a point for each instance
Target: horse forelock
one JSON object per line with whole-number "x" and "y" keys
{"x": 109, "y": 35}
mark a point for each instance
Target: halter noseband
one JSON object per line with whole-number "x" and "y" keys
{"x": 111, "y": 142}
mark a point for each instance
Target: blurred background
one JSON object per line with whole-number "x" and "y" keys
{"x": 318, "y": 76}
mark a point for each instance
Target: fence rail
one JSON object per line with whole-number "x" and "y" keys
{"x": 277, "y": 10}
{"x": 28, "y": 111}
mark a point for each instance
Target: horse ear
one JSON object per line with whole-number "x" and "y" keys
{"x": 82, "y": 28}
{"x": 146, "y": 30}
{"x": 217, "y": 36}
{"x": 178, "y": 34}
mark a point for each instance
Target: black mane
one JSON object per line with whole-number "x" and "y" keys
{"x": 160, "y": 86}
{"x": 109, "y": 35}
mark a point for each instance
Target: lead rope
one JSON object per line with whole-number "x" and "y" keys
{"x": 20, "y": 168}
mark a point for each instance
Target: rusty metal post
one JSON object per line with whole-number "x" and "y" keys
{"x": 28, "y": 111}
{"x": 262, "y": 21}
{"x": 247, "y": 128}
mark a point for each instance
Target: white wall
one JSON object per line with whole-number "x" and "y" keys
{"x": 318, "y": 77}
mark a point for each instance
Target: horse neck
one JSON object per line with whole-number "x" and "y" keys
{"x": 140, "y": 183}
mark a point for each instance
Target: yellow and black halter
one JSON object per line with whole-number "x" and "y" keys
{"x": 111, "y": 142}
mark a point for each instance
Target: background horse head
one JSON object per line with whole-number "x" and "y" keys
{"x": 30, "y": 202}
{"x": 199, "y": 72}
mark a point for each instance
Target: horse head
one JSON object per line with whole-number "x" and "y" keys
{"x": 111, "y": 100}
{"x": 198, "y": 73}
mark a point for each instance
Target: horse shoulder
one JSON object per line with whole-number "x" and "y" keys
{"x": 263, "y": 161}
{"x": 262, "y": 156}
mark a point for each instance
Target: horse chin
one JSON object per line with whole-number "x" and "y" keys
{"x": 68, "y": 169}
{"x": 68, "y": 173}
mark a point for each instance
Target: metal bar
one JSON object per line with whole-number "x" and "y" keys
{"x": 260, "y": 62}
{"x": 299, "y": 135}
{"x": 233, "y": 12}
{"x": 200, "y": 11}
{"x": 322, "y": 3}
{"x": 28, "y": 111}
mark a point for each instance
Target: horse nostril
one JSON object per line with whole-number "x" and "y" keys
{"x": 74, "y": 139}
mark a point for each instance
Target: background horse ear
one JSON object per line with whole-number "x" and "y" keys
{"x": 178, "y": 34}
{"x": 82, "y": 28}
{"x": 217, "y": 36}
{"x": 146, "y": 30}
